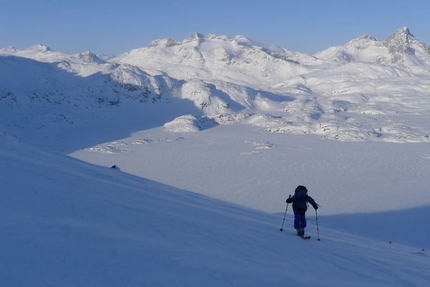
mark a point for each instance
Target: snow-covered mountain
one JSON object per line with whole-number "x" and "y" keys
{"x": 400, "y": 49}
{"x": 351, "y": 92}
{"x": 206, "y": 138}
{"x": 238, "y": 60}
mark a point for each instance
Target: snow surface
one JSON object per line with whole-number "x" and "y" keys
{"x": 385, "y": 182}
{"x": 209, "y": 136}
{"x": 69, "y": 223}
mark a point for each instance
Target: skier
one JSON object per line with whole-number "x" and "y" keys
{"x": 300, "y": 200}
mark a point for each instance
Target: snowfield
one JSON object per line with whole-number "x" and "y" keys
{"x": 69, "y": 223}
{"x": 208, "y": 137}
{"x": 259, "y": 170}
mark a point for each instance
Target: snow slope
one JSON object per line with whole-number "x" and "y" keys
{"x": 68, "y": 223}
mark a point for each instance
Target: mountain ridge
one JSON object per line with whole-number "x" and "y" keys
{"x": 336, "y": 93}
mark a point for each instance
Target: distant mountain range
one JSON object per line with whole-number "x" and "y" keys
{"x": 367, "y": 89}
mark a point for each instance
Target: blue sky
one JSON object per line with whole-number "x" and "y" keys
{"x": 118, "y": 26}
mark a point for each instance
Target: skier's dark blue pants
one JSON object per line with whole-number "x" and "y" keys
{"x": 299, "y": 219}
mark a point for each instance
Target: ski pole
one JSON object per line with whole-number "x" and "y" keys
{"x": 318, "y": 229}
{"x": 285, "y": 213}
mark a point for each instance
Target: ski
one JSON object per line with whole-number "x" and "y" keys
{"x": 305, "y": 237}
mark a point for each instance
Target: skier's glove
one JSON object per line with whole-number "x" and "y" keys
{"x": 315, "y": 206}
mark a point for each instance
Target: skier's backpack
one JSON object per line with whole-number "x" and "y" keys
{"x": 301, "y": 199}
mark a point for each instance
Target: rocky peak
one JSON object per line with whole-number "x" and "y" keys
{"x": 363, "y": 42}
{"x": 39, "y": 48}
{"x": 90, "y": 57}
{"x": 168, "y": 42}
{"x": 401, "y": 37}
{"x": 9, "y": 50}
{"x": 195, "y": 37}
{"x": 399, "y": 42}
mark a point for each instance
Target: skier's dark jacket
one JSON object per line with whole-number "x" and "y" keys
{"x": 300, "y": 200}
